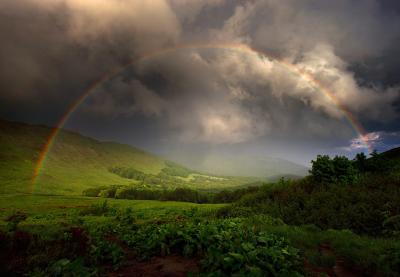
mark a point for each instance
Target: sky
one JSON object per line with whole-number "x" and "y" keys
{"x": 322, "y": 68}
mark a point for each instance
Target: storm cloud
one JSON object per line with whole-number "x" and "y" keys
{"x": 54, "y": 48}
{"x": 51, "y": 51}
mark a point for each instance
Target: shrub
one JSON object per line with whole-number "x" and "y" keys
{"x": 98, "y": 209}
{"x": 92, "y": 192}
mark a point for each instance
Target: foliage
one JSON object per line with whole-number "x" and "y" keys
{"x": 128, "y": 173}
{"x": 362, "y": 207}
{"x": 228, "y": 247}
{"x": 360, "y": 162}
{"x": 339, "y": 170}
{"x": 93, "y": 192}
{"x": 379, "y": 163}
{"x": 97, "y": 209}
{"x": 153, "y": 228}
{"x": 177, "y": 194}
{"x": 174, "y": 169}
{"x": 105, "y": 251}
{"x": 68, "y": 268}
{"x": 229, "y": 196}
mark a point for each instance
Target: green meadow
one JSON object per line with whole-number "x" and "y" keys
{"x": 105, "y": 209}
{"x": 59, "y": 207}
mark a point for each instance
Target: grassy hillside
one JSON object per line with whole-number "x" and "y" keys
{"x": 76, "y": 163}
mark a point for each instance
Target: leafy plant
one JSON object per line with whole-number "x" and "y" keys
{"x": 228, "y": 247}
{"x": 68, "y": 268}
{"x": 98, "y": 209}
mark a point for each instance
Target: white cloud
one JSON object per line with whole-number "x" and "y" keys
{"x": 379, "y": 140}
{"x": 365, "y": 141}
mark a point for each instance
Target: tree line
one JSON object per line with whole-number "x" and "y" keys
{"x": 177, "y": 194}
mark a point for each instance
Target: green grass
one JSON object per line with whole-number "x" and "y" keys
{"x": 59, "y": 206}
{"x": 76, "y": 163}
{"x": 49, "y": 216}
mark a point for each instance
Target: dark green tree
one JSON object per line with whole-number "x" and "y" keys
{"x": 337, "y": 170}
{"x": 323, "y": 170}
{"x": 345, "y": 173}
{"x": 360, "y": 162}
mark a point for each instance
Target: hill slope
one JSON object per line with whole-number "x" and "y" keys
{"x": 392, "y": 154}
{"x": 244, "y": 165}
{"x": 76, "y": 163}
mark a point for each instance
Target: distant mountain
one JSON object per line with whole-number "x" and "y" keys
{"x": 76, "y": 163}
{"x": 258, "y": 166}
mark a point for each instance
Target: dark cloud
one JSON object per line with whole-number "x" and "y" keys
{"x": 51, "y": 51}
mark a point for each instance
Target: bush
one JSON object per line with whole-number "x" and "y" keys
{"x": 93, "y": 192}
{"x": 128, "y": 173}
{"x": 98, "y": 209}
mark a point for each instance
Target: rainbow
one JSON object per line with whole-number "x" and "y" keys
{"x": 315, "y": 84}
